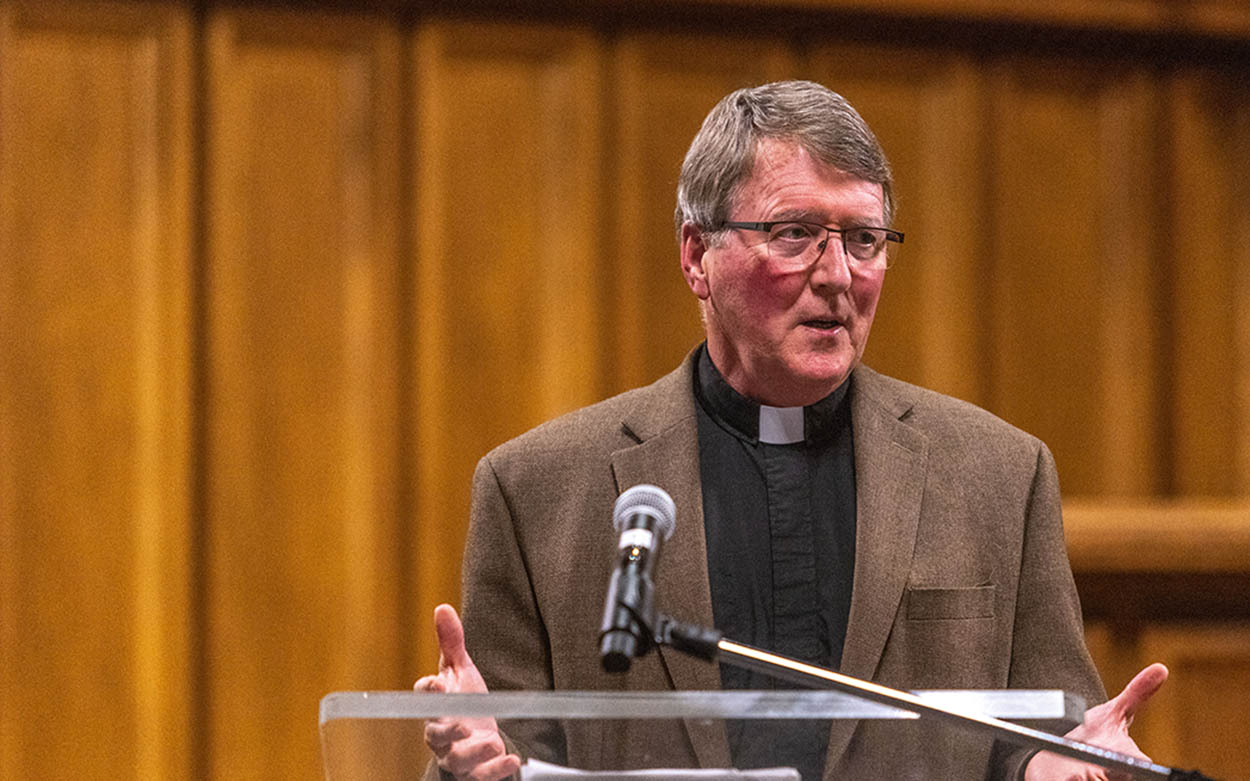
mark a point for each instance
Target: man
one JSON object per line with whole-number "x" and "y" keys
{"x": 824, "y": 510}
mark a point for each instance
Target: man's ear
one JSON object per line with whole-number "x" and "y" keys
{"x": 693, "y": 249}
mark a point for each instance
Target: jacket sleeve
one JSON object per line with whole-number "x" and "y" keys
{"x": 504, "y": 630}
{"x": 1048, "y": 639}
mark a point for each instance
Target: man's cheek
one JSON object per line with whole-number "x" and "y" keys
{"x": 866, "y": 297}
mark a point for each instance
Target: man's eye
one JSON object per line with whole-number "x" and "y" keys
{"x": 792, "y": 232}
{"x": 862, "y": 236}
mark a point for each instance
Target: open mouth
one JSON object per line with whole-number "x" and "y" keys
{"x": 823, "y": 325}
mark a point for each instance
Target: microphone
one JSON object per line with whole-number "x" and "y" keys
{"x": 644, "y": 516}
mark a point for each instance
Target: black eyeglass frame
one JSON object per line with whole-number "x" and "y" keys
{"x": 767, "y": 227}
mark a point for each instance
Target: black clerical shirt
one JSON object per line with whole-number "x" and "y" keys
{"x": 779, "y": 516}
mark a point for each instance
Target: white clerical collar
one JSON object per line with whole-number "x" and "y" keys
{"x": 781, "y": 425}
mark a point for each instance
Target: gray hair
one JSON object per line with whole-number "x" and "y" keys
{"x": 722, "y": 155}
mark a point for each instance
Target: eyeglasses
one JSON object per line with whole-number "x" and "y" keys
{"x": 796, "y": 245}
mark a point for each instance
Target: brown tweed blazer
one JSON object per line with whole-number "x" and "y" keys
{"x": 961, "y": 576}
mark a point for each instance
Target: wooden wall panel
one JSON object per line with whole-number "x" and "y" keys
{"x": 926, "y": 110}
{"x": 418, "y": 236}
{"x": 1074, "y": 341}
{"x": 94, "y": 391}
{"x": 510, "y": 262}
{"x": 302, "y": 523}
{"x": 663, "y": 87}
{"x": 1207, "y": 241}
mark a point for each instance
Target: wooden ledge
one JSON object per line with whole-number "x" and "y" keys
{"x": 1160, "y": 560}
{"x": 1161, "y": 536}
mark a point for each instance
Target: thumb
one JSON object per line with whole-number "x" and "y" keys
{"x": 451, "y": 650}
{"x": 1141, "y": 688}
{"x": 429, "y": 683}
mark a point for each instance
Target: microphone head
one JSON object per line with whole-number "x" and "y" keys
{"x": 650, "y": 499}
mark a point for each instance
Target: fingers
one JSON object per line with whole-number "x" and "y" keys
{"x": 1045, "y": 766}
{"x": 480, "y": 756}
{"x": 1139, "y": 690}
{"x": 450, "y": 638}
{"x": 1105, "y": 725}
{"x": 468, "y": 748}
{"x": 440, "y": 735}
{"x": 499, "y": 767}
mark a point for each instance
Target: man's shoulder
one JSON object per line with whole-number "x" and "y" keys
{"x": 940, "y": 417}
{"x": 582, "y": 427}
{"x": 607, "y": 425}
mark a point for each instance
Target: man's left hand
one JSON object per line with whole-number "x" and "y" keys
{"x": 1106, "y": 726}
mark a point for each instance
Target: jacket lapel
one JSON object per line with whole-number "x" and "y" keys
{"x": 891, "y": 459}
{"x": 667, "y": 455}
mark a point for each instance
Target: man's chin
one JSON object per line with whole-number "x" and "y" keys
{"x": 825, "y": 371}
{"x": 810, "y": 384}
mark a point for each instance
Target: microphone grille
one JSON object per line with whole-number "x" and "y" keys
{"x": 651, "y": 499}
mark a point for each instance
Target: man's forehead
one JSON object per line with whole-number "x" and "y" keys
{"x": 780, "y": 165}
{"x": 776, "y": 154}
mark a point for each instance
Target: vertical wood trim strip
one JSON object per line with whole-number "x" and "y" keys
{"x": 432, "y": 568}
{"x": 163, "y": 335}
{"x": 1131, "y": 380}
{"x": 8, "y": 486}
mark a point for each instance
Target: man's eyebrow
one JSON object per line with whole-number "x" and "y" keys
{"x": 796, "y": 215}
{"x": 820, "y": 218}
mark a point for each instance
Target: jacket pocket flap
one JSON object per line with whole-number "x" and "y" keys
{"x": 970, "y": 602}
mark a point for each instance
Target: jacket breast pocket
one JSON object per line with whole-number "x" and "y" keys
{"x": 926, "y": 604}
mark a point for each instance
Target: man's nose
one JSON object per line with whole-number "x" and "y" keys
{"x": 833, "y": 267}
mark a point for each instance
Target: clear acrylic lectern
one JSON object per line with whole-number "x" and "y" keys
{"x": 379, "y": 735}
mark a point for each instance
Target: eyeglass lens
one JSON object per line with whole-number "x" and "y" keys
{"x": 799, "y": 242}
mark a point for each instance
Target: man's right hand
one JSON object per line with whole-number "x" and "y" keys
{"x": 469, "y": 749}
